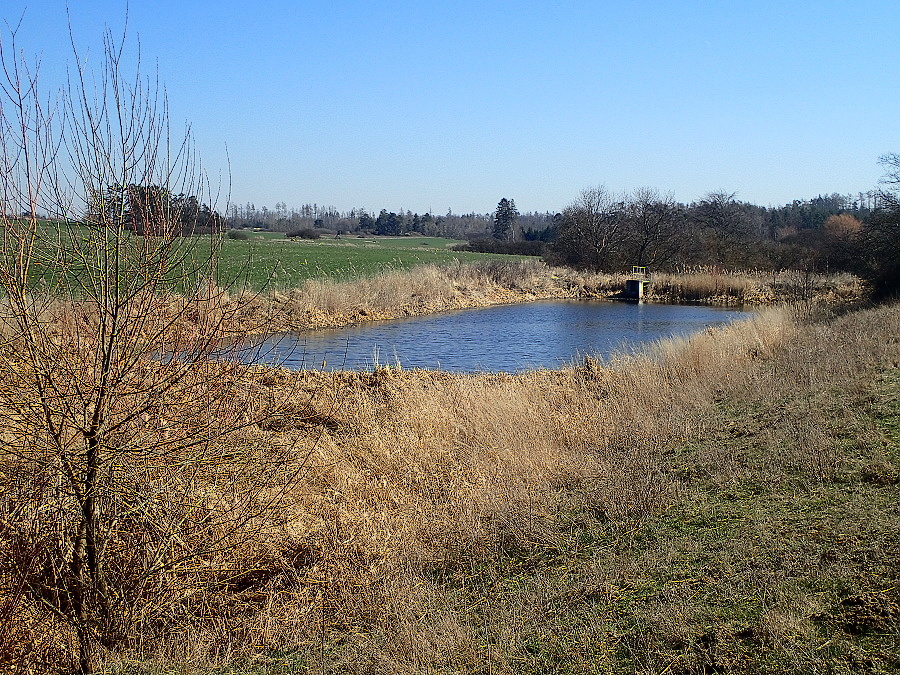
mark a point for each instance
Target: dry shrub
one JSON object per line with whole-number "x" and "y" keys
{"x": 735, "y": 287}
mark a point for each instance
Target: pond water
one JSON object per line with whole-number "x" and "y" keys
{"x": 507, "y": 338}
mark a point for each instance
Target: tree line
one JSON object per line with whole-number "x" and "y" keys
{"x": 735, "y": 220}
{"x": 362, "y": 221}
{"x": 151, "y": 210}
{"x": 600, "y": 230}
{"x": 603, "y": 231}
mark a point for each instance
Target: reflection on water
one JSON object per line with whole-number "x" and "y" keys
{"x": 508, "y": 338}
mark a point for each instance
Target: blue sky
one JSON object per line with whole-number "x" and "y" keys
{"x": 430, "y": 106}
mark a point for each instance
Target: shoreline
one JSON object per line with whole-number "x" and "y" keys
{"x": 433, "y": 290}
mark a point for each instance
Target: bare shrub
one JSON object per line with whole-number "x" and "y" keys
{"x": 129, "y": 476}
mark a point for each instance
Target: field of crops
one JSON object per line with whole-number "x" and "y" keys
{"x": 269, "y": 261}
{"x": 262, "y": 261}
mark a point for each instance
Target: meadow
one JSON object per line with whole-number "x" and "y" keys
{"x": 268, "y": 261}
{"x": 263, "y": 262}
{"x": 724, "y": 503}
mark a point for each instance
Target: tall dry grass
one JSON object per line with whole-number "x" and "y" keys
{"x": 323, "y": 303}
{"x": 417, "y": 476}
{"x": 427, "y": 289}
{"x": 416, "y": 482}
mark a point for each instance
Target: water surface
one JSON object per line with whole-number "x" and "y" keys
{"x": 508, "y": 338}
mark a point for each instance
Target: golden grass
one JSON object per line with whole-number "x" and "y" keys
{"x": 418, "y": 472}
{"x": 427, "y": 481}
{"x": 324, "y": 303}
{"x": 421, "y": 491}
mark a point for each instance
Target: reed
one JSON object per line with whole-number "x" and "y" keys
{"x": 328, "y": 302}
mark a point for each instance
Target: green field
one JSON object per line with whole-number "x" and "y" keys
{"x": 264, "y": 261}
{"x": 275, "y": 262}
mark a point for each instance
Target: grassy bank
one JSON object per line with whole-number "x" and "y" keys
{"x": 426, "y": 289}
{"x": 726, "y": 503}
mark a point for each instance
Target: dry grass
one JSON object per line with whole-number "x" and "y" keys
{"x": 755, "y": 288}
{"x": 429, "y": 289}
{"x": 721, "y": 502}
{"x": 420, "y": 473}
{"x": 514, "y": 523}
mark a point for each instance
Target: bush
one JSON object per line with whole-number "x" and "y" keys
{"x": 237, "y": 234}
{"x": 304, "y": 233}
{"x": 492, "y": 245}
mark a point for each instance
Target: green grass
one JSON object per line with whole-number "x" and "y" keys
{"x": 269, "y": 260}
{"x": 276, "y": 262}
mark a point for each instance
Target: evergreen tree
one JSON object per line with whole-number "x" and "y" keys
{"x": 505, "y": 218}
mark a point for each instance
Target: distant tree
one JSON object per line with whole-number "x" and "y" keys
{"x": 366, "y": 222}
{"x": 152, "y": 210}
{"x": 506, "y": 217}
{"x": 653, "y": 227}
{"x": 837, "y": 242}
{"x": 725, "y": 228}
{"x": 591, "y": 232}
{"x": 491, "y": 245}
{"x": 388, "y": 223}
{"x": 842, "y": 226}
{"x": 879, "y": 239}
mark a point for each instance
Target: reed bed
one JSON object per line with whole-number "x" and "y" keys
{"x": 325, "y": 303}
{"x": 755, "y": 287}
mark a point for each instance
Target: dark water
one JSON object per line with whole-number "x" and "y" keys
{"x": 508, "y": 338}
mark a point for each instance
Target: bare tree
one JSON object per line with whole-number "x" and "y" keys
{"x": 591, "y": 231}
{"x": 878, "y": 241}
{"x": 725, "y": 228}
{"x": 124, "y": 483}
{"x": 654, "y": 226}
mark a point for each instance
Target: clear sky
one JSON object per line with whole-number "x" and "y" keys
{"x": 433, "y": 105}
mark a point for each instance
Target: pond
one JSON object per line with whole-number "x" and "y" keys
{"x": 507, "y": 338}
